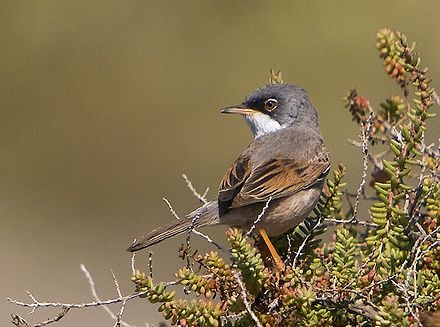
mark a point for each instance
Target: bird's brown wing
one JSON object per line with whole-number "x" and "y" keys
{"x": 233, "y": 182}
{"x": 243, "y": 184}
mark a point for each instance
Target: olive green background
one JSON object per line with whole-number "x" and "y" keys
{"x": 104, "y": 104}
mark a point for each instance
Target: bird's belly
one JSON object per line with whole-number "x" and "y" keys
{"x": 283, "y": 214}
{"x": 289, "y": 212}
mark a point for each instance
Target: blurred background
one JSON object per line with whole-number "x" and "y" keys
{"x": 104, "y": 104}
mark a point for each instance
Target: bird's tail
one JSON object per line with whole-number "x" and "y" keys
{"x": 204, "y": 216}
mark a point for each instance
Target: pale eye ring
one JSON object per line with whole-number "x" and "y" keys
{"x": 270, "y": 104}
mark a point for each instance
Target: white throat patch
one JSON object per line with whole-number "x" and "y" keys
{"x": 262, "y": 124}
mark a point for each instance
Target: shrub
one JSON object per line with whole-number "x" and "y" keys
{"x": 379, "y": 268}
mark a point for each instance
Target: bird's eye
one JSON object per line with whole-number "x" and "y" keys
{"x": 270, "y": 104}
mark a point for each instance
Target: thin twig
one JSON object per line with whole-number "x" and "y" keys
{"x": 58, "y": 317}
{"x": 96, "y": 297}
{"x": 301, "y": 247}
{"x": 133, "y": 262}
{"x": 319, "y": 221}
{"x": 193, "y": 230}
{"x": 150, "y": 264}
{"x": 237, "y": 275}
{"x": 350, "y": 221}
{"x": 289, "y": 249}
{"x": 116, "y": 283}
{"x": 201, "y": 198}
{"x": 119, "y": 315}
{"x": 194, "y": 191}
{"x": 364, "y": 136}
{"x": 173, "y": 212}
{"x": 208, "y": 239}
{"x": 78, "y": 305}
{"x": 121, "y": 311}
{"x": 260, "y": 216}
{"x": 21, "y": 322}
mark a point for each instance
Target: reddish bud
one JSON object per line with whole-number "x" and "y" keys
{"x": 362, "y": 101}
{"x": 364, "y": 279}
{"x": 427, "y": 259}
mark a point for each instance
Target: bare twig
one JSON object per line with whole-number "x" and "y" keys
{"x": 350, "y": 221}
{"x": 364, "y": 136}
{"x": 303, "y": 244}
{"x": 260, "y": 216}
{"x": 254, "y": 317}
{"x": 133, "y": 262}
{"x": 118, "y": 321}
{"x": 116, "y": 283}
{"x": 193, "y": 230}
{"x": 173, "y": 212}
{"x": 121, "y": 311}
{"x": 289, "y": 249}
{"x": 319, "y": 221}
{"x": 58, "y": 317}
{"x": 37, "y": 304}
{"x": 96, "y": 297}
{"x": 200, "y": 197}
{"x": 417, "y": 253}
{"x": 408, "y": 303}
{"x": 21, "y": 322}
{"x": 150, "y": 264}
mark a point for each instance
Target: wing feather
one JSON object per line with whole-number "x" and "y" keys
{"x": 243, "y": 184}
{"x": 232, "y": 183}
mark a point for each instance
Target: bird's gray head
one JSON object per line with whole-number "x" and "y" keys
{"x": 276, "y": 106}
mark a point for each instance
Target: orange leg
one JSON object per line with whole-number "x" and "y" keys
{"x": 279, "y": 263}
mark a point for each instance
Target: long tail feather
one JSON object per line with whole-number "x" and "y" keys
{"x": 204, "y": 216}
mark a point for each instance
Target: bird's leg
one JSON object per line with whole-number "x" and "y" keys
{"x": 279, "y": 263}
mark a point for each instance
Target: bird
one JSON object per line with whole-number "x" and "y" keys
{"x": 283, "y": 169}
